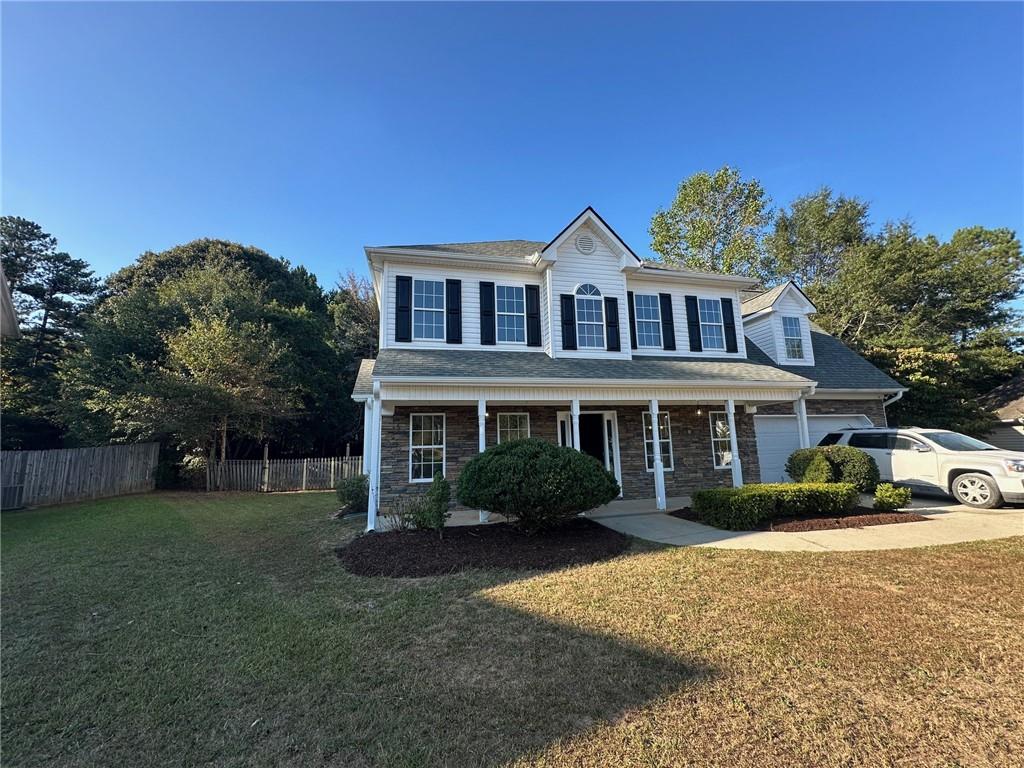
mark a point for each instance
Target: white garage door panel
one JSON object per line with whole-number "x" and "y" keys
{"x": 778, "y": 437}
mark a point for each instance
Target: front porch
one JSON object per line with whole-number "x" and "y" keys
{"x": 700, "y": 443}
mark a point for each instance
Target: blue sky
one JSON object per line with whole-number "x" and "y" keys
{"x": 312, "y": 130}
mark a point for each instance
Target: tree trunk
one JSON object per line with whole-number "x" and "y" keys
{"x": 41, "y": 336}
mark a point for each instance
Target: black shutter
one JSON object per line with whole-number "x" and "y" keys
{"x": 453, "y": 311}
{"x": 533, "y": 315}
{"x": 729, "y": 321}
{"x": 668, "y": 321}
{"x": 568, "y": 322}
{"x": 611, "y": 324}
{"x": 693, "y": 324}
{"x": 632, "y": 319}
{"x": 403, "y": 308}
{"x": 487, "y": 335}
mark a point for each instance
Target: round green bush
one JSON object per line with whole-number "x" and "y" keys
{"x": 819, "y": 470}
{"x": 848, "y": 465}
{"x": 889, "y": 498}
{"x": 354, "y": 494}
{"x": 534, "y": 483}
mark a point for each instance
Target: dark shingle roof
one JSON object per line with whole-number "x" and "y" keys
{"x": 762, "y": 300}
{"x": 364, "y": 379}
{"x": 446, "y": 363}
{"x": 836, "y": 366}
{"x": 512, "y": 249}
{"x": 1007, "y": 400}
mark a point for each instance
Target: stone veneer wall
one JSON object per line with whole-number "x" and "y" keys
{"x": 870, "y": 407}
{"x": 691, "y": 447}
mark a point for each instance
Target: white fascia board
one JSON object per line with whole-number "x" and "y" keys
{"x": 845, "y": 394}
{"x": 686, "y": 276}
{"x": 444, "y": 258}
{"x": 654, "y": 383}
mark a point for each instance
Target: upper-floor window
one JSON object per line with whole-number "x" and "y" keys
{"x": 510, "y": 303}
{"x": 712, "y": 329}
{"x": 647, "y": 309}
{"x": 589, "y": 317}
{"x": 428, "y": 309}
{"x": 793, "y": 336}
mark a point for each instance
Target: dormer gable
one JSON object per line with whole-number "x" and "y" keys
{"x": 777, "y": 321}
{"x": 583, "y": 234}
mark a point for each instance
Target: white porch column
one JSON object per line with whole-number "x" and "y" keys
{"x": 734, "y": 448}
{"x": 800, "y": 409}
{"x": 574, "y": 409}
{"x": 481, "y": 419}
{"x": 659, "y": 466}
{"x": 371, "y": 458}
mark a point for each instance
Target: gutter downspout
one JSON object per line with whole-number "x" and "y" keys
{"x": 890, "y": 401}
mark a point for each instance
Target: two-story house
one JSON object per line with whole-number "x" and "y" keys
{"x": 675, "y": 380}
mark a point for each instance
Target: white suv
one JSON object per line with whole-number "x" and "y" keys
{"x": 973, "y": 472}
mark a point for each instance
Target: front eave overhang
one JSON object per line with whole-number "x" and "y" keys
{"x": 377, "y": 256}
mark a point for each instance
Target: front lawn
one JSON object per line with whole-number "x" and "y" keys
{"x": 179, "y": 629}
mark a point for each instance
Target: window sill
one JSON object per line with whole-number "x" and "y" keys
{"x": 651, "y": 471}
{"x": 424, "y": 480}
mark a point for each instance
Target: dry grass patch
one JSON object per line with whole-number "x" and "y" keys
{"x": 222, "y": 630}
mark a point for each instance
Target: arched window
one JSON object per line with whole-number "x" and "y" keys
{"x": 589, "y": 317}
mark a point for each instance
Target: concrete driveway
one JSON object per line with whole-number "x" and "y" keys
{"x": 948, "y": 523}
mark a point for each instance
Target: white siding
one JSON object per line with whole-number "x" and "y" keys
{"x": 471, "y": 278}
{"x": 563, "y": 393}
{"x": 601, "y": 269}
{"x": 760, "y": 332}
{"x": 679, "y": 292}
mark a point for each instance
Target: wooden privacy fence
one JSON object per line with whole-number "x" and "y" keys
{"x": 320, "y": 474}
{"x": 33, "y": 478}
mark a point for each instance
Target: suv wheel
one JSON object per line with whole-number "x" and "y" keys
{"x": 976, "y": 490}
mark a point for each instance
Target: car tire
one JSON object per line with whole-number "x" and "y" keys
{"x": 977, "y": 490}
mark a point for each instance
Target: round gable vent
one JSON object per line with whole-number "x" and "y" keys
{"x": 584, "y": 243}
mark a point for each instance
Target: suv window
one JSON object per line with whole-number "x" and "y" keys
{"x": 907, "y": 444}
{"x": 831, "y": 438}
{"x": 881, "y": 441}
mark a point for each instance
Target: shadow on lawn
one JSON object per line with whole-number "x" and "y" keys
{"x": 477, "y": 682}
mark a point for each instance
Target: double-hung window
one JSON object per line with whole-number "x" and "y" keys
{"x": 712, "y": 329}
{"x": 664, "y": 440}
{"x": 793, "y": 336}
{"x": 426, "y": 446}
{"x": 428, "y": 309}
{"x": 647, "y": 310}
{"x": 513, "y": 426}
{"x": 589, "y": 317}
{"x": 510, "y": 303}
{"x": 721, "y": 444}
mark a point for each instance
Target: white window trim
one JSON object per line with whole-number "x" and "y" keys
{"x": 516, "y": 413}
{"x": 711, "y": 427}
{"x": 799, "y": 337}
{"x": 521, "y": 287}
{"x": 443, "y": 310}
{"x": 721, "y": 325}
{"x": 442, "y": 446}
{"x": 576, "y": 316}
{"x": 637, "y": 320}
{"x": 667, "y": 466}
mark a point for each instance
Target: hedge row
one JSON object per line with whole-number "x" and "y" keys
{"x": 742, "y": 509}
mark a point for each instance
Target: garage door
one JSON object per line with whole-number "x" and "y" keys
{"x": 778, "y": 437}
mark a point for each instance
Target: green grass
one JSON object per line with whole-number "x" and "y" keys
{"x": 183, "y": 629}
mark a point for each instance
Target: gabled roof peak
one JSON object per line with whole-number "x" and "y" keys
{"x": 768, "y": 299}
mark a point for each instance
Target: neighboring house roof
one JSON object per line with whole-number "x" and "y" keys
{"x": 499, "y": 365}
{"x": 836, "y": 366}
{"x": 511, "y": 249}
{"x": 8, "y": 317}
{"x": 1007, "y": 400}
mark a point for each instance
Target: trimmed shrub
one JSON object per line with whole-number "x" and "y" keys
{"x": 819, "y": 470}
{"x": 742, "y": 509}
{"x": 534, "y": 483}
{"x": 354, "y": 494}
{"x": 889, "y": 498}
{"x": 435, "y": 504}
{"x": 849, "y": 465}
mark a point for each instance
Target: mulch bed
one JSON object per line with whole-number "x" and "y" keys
{"x": 492, "y": 546}
{"x": 858, "y": 517}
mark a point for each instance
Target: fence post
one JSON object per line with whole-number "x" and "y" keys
{"x": 265, "y": 478}
{"x": 304, "y": 463}
{"x": 333, "y": 461}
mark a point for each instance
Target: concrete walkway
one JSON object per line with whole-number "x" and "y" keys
{"x": 947, "y": 524}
